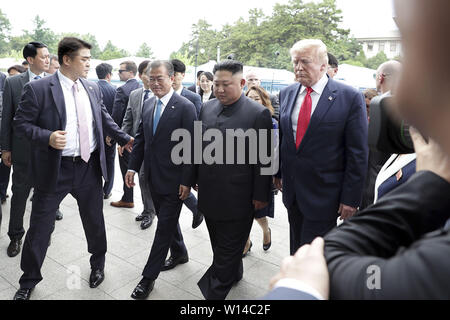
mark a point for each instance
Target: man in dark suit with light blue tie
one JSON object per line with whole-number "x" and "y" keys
{"x": 323, "y": 146}
{"x": 127, "y": 72}
{"x": 104, "y": 74}
{"x": 64, "y": 119}
{"x": 169, "y": 182}
{"x": 180, "y": 69}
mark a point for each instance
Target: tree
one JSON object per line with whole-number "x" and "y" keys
{"x": 5, "y": 29}
{"x": 43, "y": 34}
{"x": 374, "y": 62}
{"x": 112, "y": 52}
{"x": 145, "y": 51}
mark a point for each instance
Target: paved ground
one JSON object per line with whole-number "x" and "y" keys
{"x": 66, "y": 268}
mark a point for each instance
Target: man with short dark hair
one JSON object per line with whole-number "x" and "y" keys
{"x": 229, "y": 193}
{"x": 332, "y": 66}
{"x": 64, "y": 118}
{"x": 25, "y": 64}
{"x": 16, "y": 69}
{"x": 54, "y": 64}
{"x": 104, "y": 74}
{"x": 127, "y": 72}
{"x": 130, "y": 125}
{"x": 253, "y": 80}
{"x": 16, "y": 149}
{"x": 170, "y": 183}
{"x": 180, "y": 69}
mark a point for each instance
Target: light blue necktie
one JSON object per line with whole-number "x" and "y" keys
{"x": 157, "y": 116}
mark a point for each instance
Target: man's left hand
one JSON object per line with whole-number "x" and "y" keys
{"x": 184, "y": 192}
{"x": 346, "y": 211}
{"x": 259, "y": 204}
{"x": 129, "y": 145}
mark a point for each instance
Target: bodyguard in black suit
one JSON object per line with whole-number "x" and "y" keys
{"x": 229, "y": 193}
{"x": 104, "y": 74}
{"x": 15, "y": 149}
{"x": 169, "y": 182}
{"x": 64, "y": 119}
{"x": 127, "y": 72}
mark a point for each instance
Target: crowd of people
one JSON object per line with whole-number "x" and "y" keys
{"x": 350, "y": 207}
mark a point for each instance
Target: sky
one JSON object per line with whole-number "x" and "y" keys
{"x": 166, "y": 24}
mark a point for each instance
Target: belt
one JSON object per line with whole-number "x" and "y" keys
{"x": 78, "y": 158}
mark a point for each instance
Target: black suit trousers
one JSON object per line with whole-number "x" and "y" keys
{"x": 228, "y": 240}
{"x": 303, "y": 231}
{"x": 168, "y": 233}
{"x": 110, "y": 155}
{"x": 84, "y": 182}
{"x": 123, "y": 162}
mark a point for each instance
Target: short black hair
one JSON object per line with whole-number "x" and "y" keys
{"x": 17, "y": 67}
{"x": 130, "y": 66}
{"x": 103, "y": 69}
{"x": 30, "y": 49}
{"x": 229, "y": 65}
{"x": 142, "y": 66}
{"x": 332, "y": 61}
{"x": 68, "y": 46}
{"x": 208, "y": 75}
{"x": 199, "y": 73}
{"x": 178, "y": 65}
{"x": 25, "y": 63}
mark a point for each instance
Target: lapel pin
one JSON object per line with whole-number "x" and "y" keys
{"x": 173, "y": 107}
{"x": 90, "y": 88}
{"x": 330, "y": 98}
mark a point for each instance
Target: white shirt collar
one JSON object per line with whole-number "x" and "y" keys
{"x": 68, "y": 83}
{"x": 319, "y": 86}
{"x": 32, "y": 75}
{"x": 165, "y": 100}
{"x": 179, "y": 90}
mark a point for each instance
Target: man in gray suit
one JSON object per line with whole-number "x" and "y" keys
{"x": 16, "y": 150}
{"x": 130, "y": 125}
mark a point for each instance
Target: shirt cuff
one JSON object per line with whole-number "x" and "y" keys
{"x": 129, "y": 170}
{"x": 298, "y": 285}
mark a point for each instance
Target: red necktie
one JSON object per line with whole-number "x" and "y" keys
{"x": 303, "y": 117}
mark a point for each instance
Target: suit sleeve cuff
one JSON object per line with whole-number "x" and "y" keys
{"x": 298, "y": 285}
{"x": 131, "y": 170}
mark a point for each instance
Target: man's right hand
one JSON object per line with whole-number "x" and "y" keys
{"x": 129, "y": 179}
{"x": 58, "y": 140}
{"x": 6, "y": 158}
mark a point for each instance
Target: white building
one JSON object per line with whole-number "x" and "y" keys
{"x": 388, "y": 43}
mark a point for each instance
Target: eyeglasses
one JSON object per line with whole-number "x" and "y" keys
{"x": 120, "y": 71}
{"x": 158, "y": 79}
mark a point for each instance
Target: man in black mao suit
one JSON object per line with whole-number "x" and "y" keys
{"x": 229, "y": 193}
{"x": 127, "y": 72}
{"x": 104, "y": 74}
{"x": 169, "y": 182}
{"x": 63, "y": 117}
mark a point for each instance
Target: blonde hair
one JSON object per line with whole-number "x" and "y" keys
{"x": 321, "y": 48}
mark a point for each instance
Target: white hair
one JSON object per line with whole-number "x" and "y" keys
{"x": 321, "y": 48}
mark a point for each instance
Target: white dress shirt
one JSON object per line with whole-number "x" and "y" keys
{"x": 318, "y": 88}
{"x": 31, "y": 75}
{"x": 298, "y": 285}
{"x": 72, "y": 148}
{"x": 165, "y": 100}
{"x": 179, "y": 90}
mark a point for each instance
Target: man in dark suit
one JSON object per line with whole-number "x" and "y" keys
{"x": 104, "y": 74}
{"x": 170, "y": 183}
{"x": 4, "y": 170}
{"x": 253, "y": 80}
{"x": 196, "y": 86}
{"x": 229, "y": 192}
{"x": 323, "y": 146}
{"x": 180, "y": 69}
{"x": 15, "y": 149}
{"x": 64, "y": 119}
{"x": 399, "y": 248}
{"x": 127, "y": 72}
{"x": 130, "y": 125}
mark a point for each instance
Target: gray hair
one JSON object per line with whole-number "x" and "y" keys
{"x": 158, "y": 63}
{"x": 321, "y": 48}
{"x": 53, "y": 57}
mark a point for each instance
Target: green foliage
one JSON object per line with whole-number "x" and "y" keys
{"x": 184, "y": 57}
{"x": 5, "y": 28}
{"x": 374, "y": 62}
{"x": 112, "y": 52}
{"x": 145, "y": 51}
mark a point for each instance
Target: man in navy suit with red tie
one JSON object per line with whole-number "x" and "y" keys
{"x": 323, "y": 146}
{"x": 64, "y": 118}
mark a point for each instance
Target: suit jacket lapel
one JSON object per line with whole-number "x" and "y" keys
{"x": 58, "y": 98}
{"x": 169, "y": 108}
{"x": 292, "y": 99}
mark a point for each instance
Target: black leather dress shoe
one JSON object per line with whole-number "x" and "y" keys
{"x": 146, "y": 222}
{"x": 140, "y": 217}
{"x": 173, "y": 262}
{"x": 14, "y": 248}
{"x": 107, "y": 196}
{"x": 197, "y": 220}
{"x": 96, "y": 277}
{"x": 143, "y": 289}
{"x": 23, "y": 294}
{"x": 59, "y": 215}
